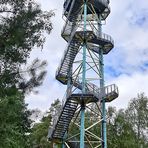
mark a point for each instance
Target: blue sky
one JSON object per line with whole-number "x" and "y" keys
{"x": 126, "y": 65}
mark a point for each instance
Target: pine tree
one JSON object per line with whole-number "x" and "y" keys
{"x": 22, "y": 28}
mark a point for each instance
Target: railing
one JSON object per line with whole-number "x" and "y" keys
{"x": 69, "y": 30}
{"x": 62, "y": 60}
{"x": 59, "y": 110}
{"x": 66, "y": 3}
{"x": 105, "y": 91}
{"x": 111, "y": 88}
{"x": 103, "y": 36}
{"x": 107, "y": 37}
{"x": 54, "y": 121}
{"x": 93, "y": 89}
{"x": 101, "y": 92}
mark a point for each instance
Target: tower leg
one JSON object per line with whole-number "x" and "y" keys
{"x": 63, "y": 144}
{"x": 51, "y": 144}
{"x": 104, "y": 135}
{"x": 82, "y": 127}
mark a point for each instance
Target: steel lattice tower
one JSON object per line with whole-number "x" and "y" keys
{"x": 81, "y": 120}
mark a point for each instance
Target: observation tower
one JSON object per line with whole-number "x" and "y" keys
{"x": 81, "y": 120}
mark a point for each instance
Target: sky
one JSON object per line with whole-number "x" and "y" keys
{"x": 126, "y": 65}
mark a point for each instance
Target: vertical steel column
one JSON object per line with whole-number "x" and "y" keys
{"x": 84, "y": 49}
{"x": 82, "y": 130}
{"x": 52, "y": 144}
{"x": 103, "y": 128}
{"x": 63, "y": 146}
{"x": 104, "y": 135}
{"x": 82, "y": 127}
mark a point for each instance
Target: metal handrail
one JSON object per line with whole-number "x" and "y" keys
{"x": 62, "y": 60}
{"x": 69, "y": 30}
{"x": 107, "y": 37}
{"x": 66, "y": 2}
{"x": 102, "y": 91}
{"x": 95, "y": 90}
{"x": 58, "y": 113}
{"x": 102, "y": 36}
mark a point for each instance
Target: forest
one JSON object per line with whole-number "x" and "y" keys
{"x": 23, "y": 27}
{"x": 126, "y": 128}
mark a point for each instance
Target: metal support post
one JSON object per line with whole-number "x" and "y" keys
{"x": 84, "y": 49}
{"x": 101, "y": 61}
{"x": 82, "y": 130}
{"x": 52, "y": 144}
{"x": 63, "y": 144}
{"x": 82, "y": 127}
{"x": 104, "y": 135}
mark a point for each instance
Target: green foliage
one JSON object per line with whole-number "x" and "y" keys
{"x": 40, "y": 130}
{"x": 137, "y": 116}
{"x": 121, "y": 125}
{"x": 22, "y": 24}
{"x": 120, "y": 132}
{"x": 22, "y": 27}
{"x": 128, "y": 128}
{"x": 15, "y": 123}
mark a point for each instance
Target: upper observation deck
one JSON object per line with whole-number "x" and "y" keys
{"x": 73, "y": 8}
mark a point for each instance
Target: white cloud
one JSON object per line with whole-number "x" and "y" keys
{"x": 129, "y": 87}
{"x": 130, "y": 52}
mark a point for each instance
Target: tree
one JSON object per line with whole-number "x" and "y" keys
{"x": 15, "y": 124}
{"x": 128, "y": 128}
{"x": 120, "y": 132}
{"x": 40, "y": 130}
{"x": 23, "y": 25}
{"x": 137, "y": 116}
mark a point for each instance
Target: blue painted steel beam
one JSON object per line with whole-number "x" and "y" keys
{"x": 82, "y": 127}
{"x": 82, "y": 130}
{"x": 84, "y": 50}
{"x": 104, "y": 135}
{"x": 63, "y": 145}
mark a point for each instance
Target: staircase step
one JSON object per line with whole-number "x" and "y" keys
{"x": 59, "y": 128}
{"x": 65, "y": 119}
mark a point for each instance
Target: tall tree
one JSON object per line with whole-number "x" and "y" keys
{"x": 137, "y": 116}
{"x": 22, "y": 24}
{"x": 40, "y": 130}
{"x": 120, "y": 132}
{"x": 15, "y": 124}
{"x": 22, "y": 28}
